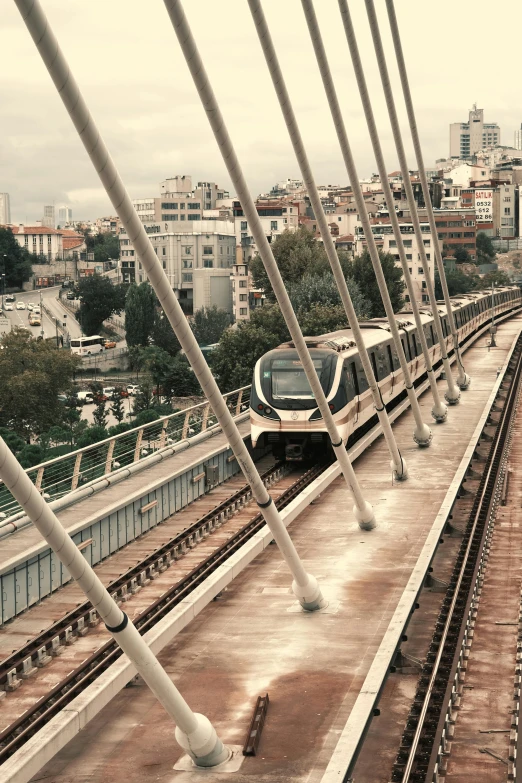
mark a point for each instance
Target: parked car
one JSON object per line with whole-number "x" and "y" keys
{"x": 133, "y": 389}
{"x": 122, "y": 391}
{"x": 85, "y": 397}
{"x": 99, "y": 397}
{"x": 108, "y": 391}
{"x": 110, "y": 344}
{"x": 20, "y": 305}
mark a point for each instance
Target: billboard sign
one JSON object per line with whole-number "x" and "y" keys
{"x": 484, "y": 206}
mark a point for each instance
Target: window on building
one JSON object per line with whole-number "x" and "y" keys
{"x": 242, "y": 283}
{"x": 409, "y": 256}
{"x": 155, "y": 250}
{"x": 187, "y": 263}
{"x": 208, "y": 263}
{"x": 193, "y": 206}
{"x": 428, "y": 257}
{"x": 507, "y": 210}
{"x": 393, "y": 243}
{"x": 273, "y": 225}
{"x": 243, "y": 311}
{"x": 208, "y": 250}
{"x": 186, "y": 277}
{"x": 187, "y": 250}
{"x": 425, "y": 298}
{"x": 182, "y": 206}
{"x": 243, "y": 297}
{"x": 164, "y": 264}
{"x": 163, "y": 251}
{"x": 426, "y": 242}
{"x": 409, "y": 270}
{"x": 420, "y": 270}
{"x": 193, "y": 217}
{"x": 407, "y": 243}
{"x": 244, "y": 225}
{"x": 424, "y": 284}
{"x": 169, "y": 205}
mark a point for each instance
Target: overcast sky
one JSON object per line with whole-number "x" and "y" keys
{"x": 126, "y": 59}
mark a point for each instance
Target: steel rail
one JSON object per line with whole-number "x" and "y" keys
{"x": 117, "y": 586}
{"x": 480, "y": 511}
{"x": 14, "y": 735}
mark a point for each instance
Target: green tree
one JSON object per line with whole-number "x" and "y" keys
{"x": 99, "y": 299}
{"x": 163, "y": 335}
{"x": 458, "y": 283}
{"x": 297, "y": 253}
{"x": 179, "y": 379}
{"x": 208, "y": 324}
{"x": 15, "y": 262}
{"x": 486, "y": 253}
{"x": 144, "y": 399}
{"x": 92, "y": 435}
{"x": 139, "y": 314}
{"x": 33, "y": 374}
{"x": 462, "y": 256}
{"x": 311, "y": 290}
{"x": 104, "y": 246}
{"x": 117, "y": 409}
{"x": 496, "y": 278}
{"x": 100, "y": 414}
{"x": 361, "y": 270}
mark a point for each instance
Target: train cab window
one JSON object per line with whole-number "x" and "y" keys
{"x": 352, "y": 375}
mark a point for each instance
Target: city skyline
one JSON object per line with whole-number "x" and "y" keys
{"x": 150, "y": 114}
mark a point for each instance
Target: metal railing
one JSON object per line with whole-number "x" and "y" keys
{"x": 59, "y": 476}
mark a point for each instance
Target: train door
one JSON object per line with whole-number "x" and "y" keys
{"x": 352, "y": 388}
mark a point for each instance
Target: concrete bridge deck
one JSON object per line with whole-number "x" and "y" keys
{"x": 253, "y": 640}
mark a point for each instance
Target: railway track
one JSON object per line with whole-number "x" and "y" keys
{"x": 80, "y": 635}
{"x": 426, "y": 692}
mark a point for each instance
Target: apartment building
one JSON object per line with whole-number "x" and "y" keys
{"x": 197, "y": 263}
{"x": 49, "y": 216}
{"x": 245, "y": 297}
{"x": 180, "y": 202}
{"x": 468, "y": 138}
{"x": 276, "y": 215}
{"x": 5, "y": 209}
{"x": 40, "y": 240}
{"x": 387, "y": 242}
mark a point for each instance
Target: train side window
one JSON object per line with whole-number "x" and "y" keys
{"x": 433, "y": 335}
{"x": 363, "y": 382}
{"x": 414, "y": 350}
{"x": 390, "y": 358}
{"x": 351, "y": 374}
{"x": 374, "y": 365}
{"x": 409, "y": 352}
{"x": 428, "y": 337}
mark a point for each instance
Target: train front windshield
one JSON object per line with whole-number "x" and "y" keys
{"x": 289, "y": 380}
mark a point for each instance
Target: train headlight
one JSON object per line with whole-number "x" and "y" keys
{"x": 268, "y": 411}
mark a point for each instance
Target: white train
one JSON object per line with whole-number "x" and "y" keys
{"x": 283, "y": 411}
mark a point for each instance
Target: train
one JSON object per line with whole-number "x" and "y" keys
{"x": 283, "y": 413}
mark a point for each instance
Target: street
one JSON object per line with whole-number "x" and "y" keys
{"x": 51, "y": 301}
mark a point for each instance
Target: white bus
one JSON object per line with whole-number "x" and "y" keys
{"x": 85, "y": 346}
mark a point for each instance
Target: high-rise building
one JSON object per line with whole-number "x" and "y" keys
{"x": 5, "y": 209}
{"x": 48, "y": 216}
{"x": 468, "y": 138}
{"x": 64, "y": 215}
{"x": 518, "y": 138}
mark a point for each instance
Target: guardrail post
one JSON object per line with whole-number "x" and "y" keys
{"x": 206, "y": 411}
{"x": 185, "y": 426}
{"x": 238, "y": 404}
{"x": 76, "y": 471}
{"x": 163, "y": 436}
{"x": 110, "y": 452}
{"x": 39, "y": 478}
{"x": 139, "y": 441}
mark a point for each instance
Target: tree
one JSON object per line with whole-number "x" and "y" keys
{"x": 462, "y": 256}
{"x": 297, "y": 253}
{"x": 311, "y": 290}
{"x": 179, "y": 380}
{"x": 361, "y": 270}
{"x": 117, "y": 409}
{"x": 100, "y": 414}
{"x": 104, "y": 246}
{"x": 208, "y": 324}
{"x": 458, "y": 283}
{"x": 99, "y": 300}
{"x": 496, "y": 278}
{"x": 163, "y": 335}
{"x": 33, "y": 374}
{"x": 139, "y": 314}
{"x": 486, "y": 253}
{"x": 144, "y": 399}
{"x": 14, "y": 260}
